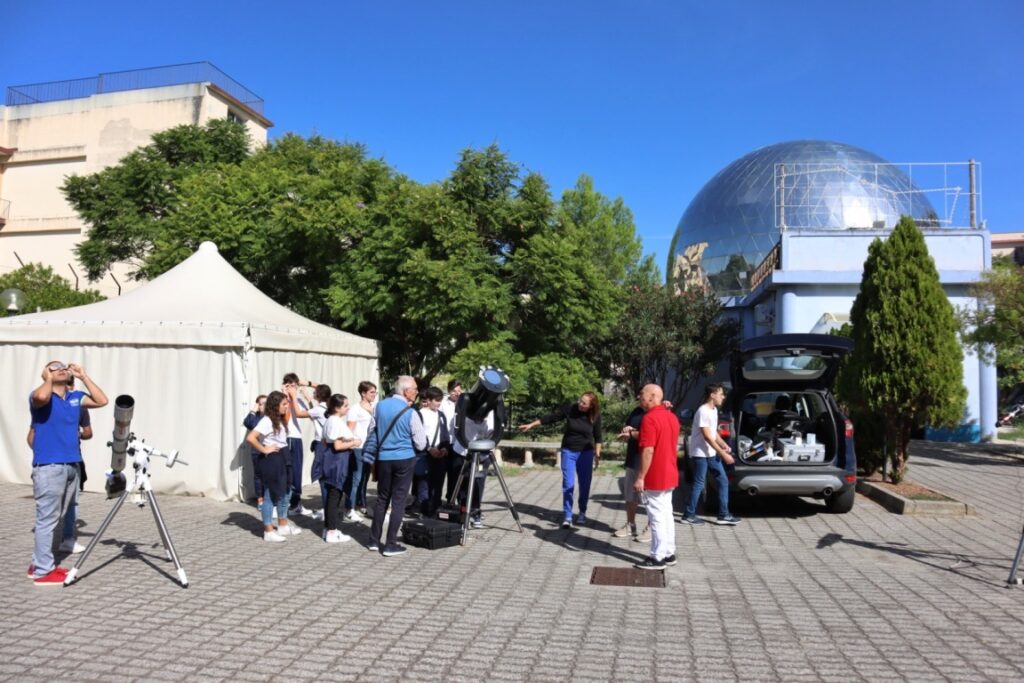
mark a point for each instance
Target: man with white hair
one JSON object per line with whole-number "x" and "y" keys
{"x": 391, "y": 443}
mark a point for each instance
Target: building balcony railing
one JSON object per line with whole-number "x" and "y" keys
{"x": 135, "y": 79}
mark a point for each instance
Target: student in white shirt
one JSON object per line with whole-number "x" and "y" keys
{"x": 338, "y": 443}
{"x": 360, "y": 417}
{"x": 270, "y": 438}
{"x": 317, "y": 414}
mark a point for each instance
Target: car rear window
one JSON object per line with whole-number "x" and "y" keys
{"x": 773, "y": 367}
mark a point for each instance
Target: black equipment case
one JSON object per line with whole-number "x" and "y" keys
{"x": 431, "y": 533}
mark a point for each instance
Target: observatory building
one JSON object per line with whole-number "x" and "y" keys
{"x": 781, "y": 234}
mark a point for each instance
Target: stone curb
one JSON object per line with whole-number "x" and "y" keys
{"x": 900, "y": 505}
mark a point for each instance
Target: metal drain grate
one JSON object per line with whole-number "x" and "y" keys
{"x": 627, "y": 576}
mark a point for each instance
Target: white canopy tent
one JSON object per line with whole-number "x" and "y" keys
{"x": 194, "y": 347}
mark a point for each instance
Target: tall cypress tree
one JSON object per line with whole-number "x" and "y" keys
{"x": 907, "y": 366}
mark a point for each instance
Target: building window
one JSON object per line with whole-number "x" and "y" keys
{"x": 232, "y": 116}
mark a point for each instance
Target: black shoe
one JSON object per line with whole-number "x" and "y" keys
{"x": 728, "y": 520}
{"x": 650, "y": 563}
{"x": 393, "y": 549}
{"x": 692, "y": 520}
{"x": 373, "y": 547}
{"x": 476, "y": 523}
{"x": 670, "y": 561}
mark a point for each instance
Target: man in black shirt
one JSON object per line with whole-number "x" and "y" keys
{"x": 630, "y": 434}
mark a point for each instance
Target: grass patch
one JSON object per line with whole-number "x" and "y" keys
{"x": 1015, "y": 434}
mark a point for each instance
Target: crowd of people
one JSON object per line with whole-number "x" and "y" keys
{"x": 406, "y": 443}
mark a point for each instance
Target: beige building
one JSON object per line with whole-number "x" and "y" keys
{"x": 52, "y": 130}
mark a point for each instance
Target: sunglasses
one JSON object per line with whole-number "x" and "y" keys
{"x": 54, "y": 367}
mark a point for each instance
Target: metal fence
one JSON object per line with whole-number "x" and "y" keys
{"x": 135, "y": 79}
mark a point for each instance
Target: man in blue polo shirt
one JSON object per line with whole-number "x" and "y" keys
{"x": 56, "y": 453}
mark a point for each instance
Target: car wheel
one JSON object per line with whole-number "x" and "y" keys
{"x": 841, "y": 503}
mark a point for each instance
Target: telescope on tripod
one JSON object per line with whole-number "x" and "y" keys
{"x": 123, "y": 444}
{"x": 479, "y": 427}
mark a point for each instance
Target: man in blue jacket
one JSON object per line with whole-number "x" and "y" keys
{"x": 392, "y": 441}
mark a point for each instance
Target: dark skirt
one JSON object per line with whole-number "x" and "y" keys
{"x": 273, "y": 471}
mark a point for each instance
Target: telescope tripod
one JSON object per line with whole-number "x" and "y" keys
{"x": 142, "y": 487}
{"x": 1015, "y": 580}
{"x": 470, "y": 465}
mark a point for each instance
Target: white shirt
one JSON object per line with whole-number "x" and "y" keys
{"x": 336, "y": 428}
{"x": 707, "y": 416}
{"x": 431, "y": 425}
{"x": 448, "y": 408}
{"x": 361, "y": 417}
{"x": 268, "y": 437}
{"x": 294, "y": 431}
{"x": 318, "y": 415}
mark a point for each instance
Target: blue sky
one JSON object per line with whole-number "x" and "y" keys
{"x": 649, "y": 98}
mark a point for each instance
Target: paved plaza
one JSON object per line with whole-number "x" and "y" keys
{"x": 792, "y": 594}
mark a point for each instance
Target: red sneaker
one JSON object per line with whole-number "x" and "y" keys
{"x": 31, "y": 571}
{"x": 54, "y": 578}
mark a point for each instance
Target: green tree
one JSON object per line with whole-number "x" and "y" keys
{"x": 45, "y": 290}
{"x": 671, "y": 338}
{"x": 907, "y": 364}
{"x": 869, "y": 425}
{"x": 428, "y": 269}
{"x": 995, "y": 328}
{"x": 125, "y": 204}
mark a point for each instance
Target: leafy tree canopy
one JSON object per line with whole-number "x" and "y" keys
{"x": 486, "y": 256}
{"x": 995, "y": 329}
{"x": 45, "y": 290}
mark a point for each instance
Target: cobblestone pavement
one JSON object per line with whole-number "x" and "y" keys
{"x": 792, "y": 594}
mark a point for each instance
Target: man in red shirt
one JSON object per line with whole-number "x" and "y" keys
{"x": 658, "y": 475}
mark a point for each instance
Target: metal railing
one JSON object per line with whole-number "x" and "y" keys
{"x": 135, "y": 79}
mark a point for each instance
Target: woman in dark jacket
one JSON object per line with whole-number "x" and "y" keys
{"x": 581, "y": 450}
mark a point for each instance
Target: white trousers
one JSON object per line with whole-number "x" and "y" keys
{"x": 663, "y": 524}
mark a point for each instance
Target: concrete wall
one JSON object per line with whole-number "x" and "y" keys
{"x": 81, "y": 136}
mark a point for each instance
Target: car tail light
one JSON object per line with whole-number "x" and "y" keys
{"x": 850, "y": 478}
{"x": 724, "y": 430}
{"x": 849, "y": 429}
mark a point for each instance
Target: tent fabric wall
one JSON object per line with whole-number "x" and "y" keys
{"x": 194, "y": 347}
{"x": 186, "y": 399}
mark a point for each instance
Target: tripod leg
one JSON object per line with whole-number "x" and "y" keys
{"x": 165, "y": 536}
{"x": 508, "y": 497}
{"x": 73, "y": 574}
{"x": 471, "y": 481}
{"x": 1013, "y": 580}
{"x": 458, "y": 482}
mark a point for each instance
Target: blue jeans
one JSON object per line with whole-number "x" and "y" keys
{"x": 700, "y": 475}
{"x": 268, "y": 505}
{"x": 54, "y": 488}
{"x": 355, "y": 486}
{"x": 576, "y": 464}
{"x": 70, "y": 519}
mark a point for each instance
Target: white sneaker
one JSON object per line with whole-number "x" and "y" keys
{"x": 273, "y": 537}
{"x": 335, "y": 536}
{"x": 72, "y": 546}
{"x": 318, "y": 515}
{"x": 353, "y": 516}
{"x": 289, "y": 530}
{"x": 300, "y": 510}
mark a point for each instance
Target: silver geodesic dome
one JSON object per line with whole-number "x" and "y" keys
{"x": 735, "y": 219}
